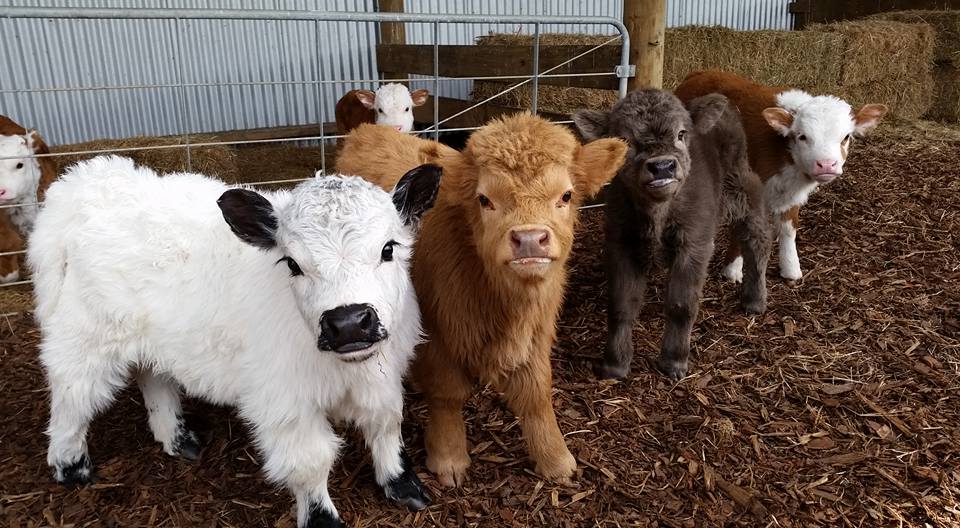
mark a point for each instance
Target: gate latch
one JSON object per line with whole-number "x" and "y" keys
{"x": 626, "y": 71}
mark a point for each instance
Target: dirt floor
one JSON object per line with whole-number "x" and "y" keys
{"x": 838, "y": 407}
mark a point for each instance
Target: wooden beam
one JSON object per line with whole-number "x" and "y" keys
{"x": 283, "y": 132}
{"x": 476, "y": 117}
{"x": 484, "y": 61}
{"x": 646, "y": 22}
{"x": 392, "y": 33}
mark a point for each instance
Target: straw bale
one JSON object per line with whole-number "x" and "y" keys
{"x": 886, "y": 62}
{"x": 945, "y": 23}
{"x": 875, "y": 61}
{"x": 946, "y": 101}
{"x": 213, "y": 160}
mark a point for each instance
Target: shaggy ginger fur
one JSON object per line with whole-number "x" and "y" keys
{"x": 489, "y": 313}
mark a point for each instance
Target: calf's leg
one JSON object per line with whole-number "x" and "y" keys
{"x": 733, "y": 262}
{"x": 688, "y": 271}
{"x": 300, "y": 454}
{"x": 527, "y": 391}
{"x": 82, "y": 383}
{"x": 392, "y": 466}
{"x": 161, "y": 397}
{"x": 446, "y": 386}
{"x": 753, "y": 235}
{"x": 10, "y": 240}
{"x": 626, "y": 284}
{"x": 789, "y": 259}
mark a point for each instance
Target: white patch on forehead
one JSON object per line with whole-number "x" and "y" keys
{"x": 822, "y": 114}
{"x": 335, "y": 218}
{"x": 393, "y": 95}
{"x": 14, "y": 146}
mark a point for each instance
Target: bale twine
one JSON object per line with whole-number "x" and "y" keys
{"x": 212, "y": 160}
{"x": 879, "y": 61}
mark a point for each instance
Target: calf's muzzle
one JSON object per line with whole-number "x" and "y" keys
{"x": 350, "y": 328}
{"x": 530, "y": 243}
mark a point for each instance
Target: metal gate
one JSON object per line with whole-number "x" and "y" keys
{"x": 178, "y": 48}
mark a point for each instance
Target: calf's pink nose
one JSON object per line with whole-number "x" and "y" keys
{"x": 826, "y": 165}
{"x": 530, "y": 243}
{"x": 3, "y": 191}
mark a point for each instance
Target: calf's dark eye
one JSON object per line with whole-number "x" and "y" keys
{"x": 380, "y": 110}
{"x": 567, "y": 196}
{"x": 386, "y": 254}
{"x": 292, "y": 264}
{"x": 20, "y": 165}
{"x": 407, "y": 109}
{"x": 681, "y": 135}
{"x": 802, "y": 137}
{"x": 484, "y": 201}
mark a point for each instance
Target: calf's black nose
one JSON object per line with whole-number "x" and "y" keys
{"x": 350, "y": 328}
{"x": 663, "y": 168}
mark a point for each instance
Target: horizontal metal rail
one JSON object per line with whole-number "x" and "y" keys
{"x": 291, "y": 83}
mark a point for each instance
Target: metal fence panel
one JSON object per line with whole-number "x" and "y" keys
{"x": 63, "y": 53}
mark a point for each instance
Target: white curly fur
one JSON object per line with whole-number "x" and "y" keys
{"x": 140, "y": 275}
{"x": 394, "y": 107}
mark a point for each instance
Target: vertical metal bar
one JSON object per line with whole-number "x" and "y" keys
{"x": 436, "y": 81}
{"x": 536, "y": 68}
{"x": 183, "y": 93}
{"x": 624, "y": 60}
{"x": 322, "y": 93}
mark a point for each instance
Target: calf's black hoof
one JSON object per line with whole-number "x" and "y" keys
{"x": 79, "y": 473}
{"x": 187, "y": 445}
{"x": 320, "y": 518}
{"x": 604, "y": 370}
{"x": 674, "y": 369}
{"x": 406, "y": 488}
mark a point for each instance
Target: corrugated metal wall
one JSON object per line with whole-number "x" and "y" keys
{"x": 94, "y": 53}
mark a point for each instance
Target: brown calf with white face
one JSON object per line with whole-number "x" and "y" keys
{"x": 490, "y": 270}
{"x": 23, "y": 180}
{"x": 796, "y": 143}
{"x": 685, "y": 173}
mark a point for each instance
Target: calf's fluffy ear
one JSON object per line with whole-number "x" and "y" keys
{"x": 250, "y": 216}
{"x": 706, "y": 111}
{"x": 868, "y": 117}
{"x": 597, "y": 163}
{"x": 416, "y": 192}
{"x": 367, "y": 98}
{"x": 778, "y": 119}
{"x": 419, "y": 97}
{"x": 592, "y": 124}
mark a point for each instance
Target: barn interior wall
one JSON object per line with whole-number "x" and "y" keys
{"x": 229, "y": 65}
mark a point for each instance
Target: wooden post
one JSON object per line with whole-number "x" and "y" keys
{"x": 645, "y": 20}
{"x": 392, "y": 32}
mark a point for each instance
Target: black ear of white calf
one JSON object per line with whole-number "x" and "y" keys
{"x": 592, "y": 124}
{"x": 250, "y": 216}
{"x": 705, "y": 111}
{"x": 416, "y": 192}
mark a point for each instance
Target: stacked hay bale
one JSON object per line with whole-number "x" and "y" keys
{"x": 886, "y": 62}
{"x": 880, "y": 61}
{"x": 946, "y": 56}
{"x": 214, "y": 160}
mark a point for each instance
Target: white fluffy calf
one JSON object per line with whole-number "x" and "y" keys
{"x": 296, "y": 307}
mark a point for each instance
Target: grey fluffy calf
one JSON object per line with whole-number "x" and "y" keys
{"x": 686, "y": 173}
